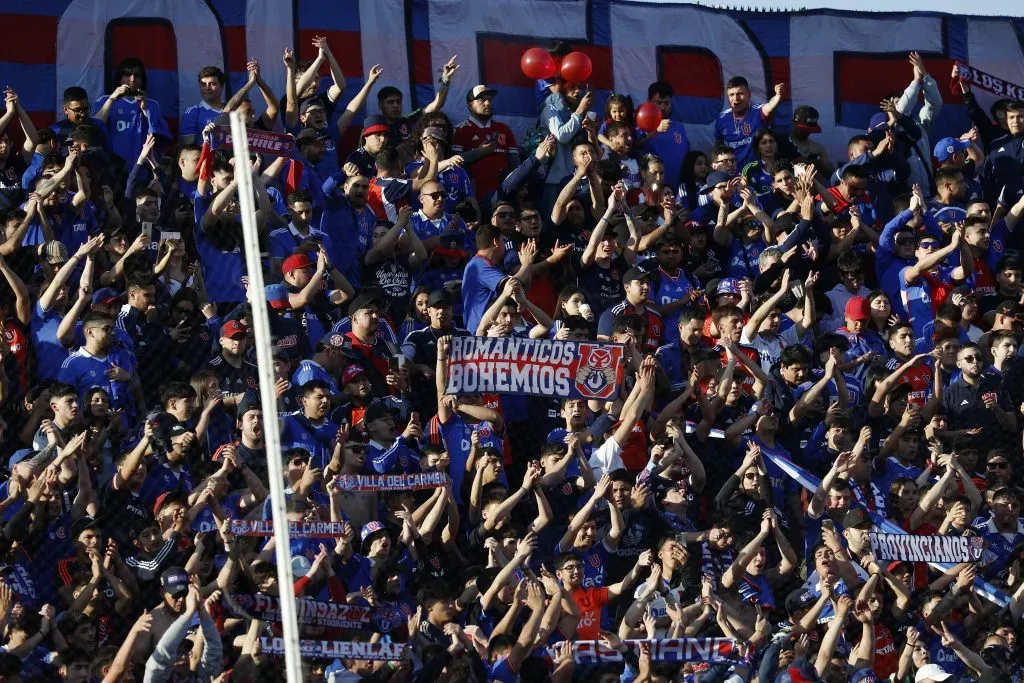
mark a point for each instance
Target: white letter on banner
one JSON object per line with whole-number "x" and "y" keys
{"x": 384, "y": 41}
{"x": 993, "y": 46}
{"x": 454, "y": 25}
{"x": 81, "y": 43}
{"x": 814, "y": 40}
{"x": 638, "y": 30}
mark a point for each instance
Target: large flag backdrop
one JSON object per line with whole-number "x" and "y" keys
{"x": 842, "y": 63}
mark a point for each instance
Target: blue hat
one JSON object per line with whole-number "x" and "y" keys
{"x": 877, "y": 121}
{"x": 864, "y": 676}
{"x": 174, "y": 581}
{"x": 277, "y": 296}
{"x": 714, "y": 179}
{"x": 947, "y": 147}
{"x": 105, "y": 295}
{"x": 18, "y": 456}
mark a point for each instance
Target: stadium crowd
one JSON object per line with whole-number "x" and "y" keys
{"x": 859, "y": 318}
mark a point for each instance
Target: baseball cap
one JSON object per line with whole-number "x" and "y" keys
{"x": 635, "y": 273}
{"x": 375, "y": 411}
{"x": 714, "y": 179}
{"x": 480, "y": 91}
{"x": 801, "y": 672}
{"x": 451, "y": 243}
{"x": 309, "y": 135}
{"x": 727, "y": 285}
{"x": 232, "y": 329}
{"x": 369, "y": 296}
{"x": 798, "y": 600}
{"x": 877, "y": 122}
{"x": 371, "y": 528}
{"x": 53, "y": 252}
{"x": 18, "y": 456}
{"x": 352, "y": 373}
{"x": 375, "y": 124}
{"x": 277, "y": 296}
{"x": 296, "y": 261}
{"x": 857, "y": 518}
{"x": 806, "y": 117}
{"x": 174, "y": 581}
{"x": 858, "y": 308}
{"x": 433, "y": 132}
{"x": 80, "y": 525}
{"x": 947, "y": 147}
{"x": 312, "y": 103}
{"x": 932, "y": 672}
{"x": 439, "y": 299}
{"x": 332, "y": 340}
{"x": 168, "y": 497}
{"x": 105, "y": 295}
{"x": 250, "y": 401}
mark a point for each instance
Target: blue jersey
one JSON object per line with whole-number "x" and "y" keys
{"x": 161, "y": 478}
{"x": 595, "y": 563}
{"x": 350, "y": 229}
{"x": 284, "y": 241}
{"x": 83, "y": 371}
{"x": 456, "y": 434}
{"x": 128, "y": 127}
{"x": 454, "y": 181}
{"x": 195, "y": 119}
{"x": 738, "y": 133}
{"x": 672, "y": 146}
{"x": 894, "y": 469}
{"x": 917, "y": 301}
{"x": 479, "y": 285}
{"x": 425, "y": 228}
{"x": 298, "y": 432}
{"x": 310, "y": 370}
{"x": 743, "y": 259}
{"x": 999, "y": 546}
{"x": 397, "y": 458}
{"x": 669, "y": 289}
{"x": 50, "y": 354}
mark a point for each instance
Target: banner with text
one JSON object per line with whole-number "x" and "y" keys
{"x": 708, "y": 650}
{"x": 391, "y": 482}
{"x": 310, "y": 612}
{"x": 977, "y": 78}
{"x": 265, "y": 528}
{"x": 260, "y": 141}
{"x": 535, "y": 367}
{"x": 337, "y": 649}
{"x": 911, "y": 548}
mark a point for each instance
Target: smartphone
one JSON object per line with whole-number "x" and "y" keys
{"x": 591, "y": 116}
{"x": 147, "y": 229}
{"x": 400, "y": 359}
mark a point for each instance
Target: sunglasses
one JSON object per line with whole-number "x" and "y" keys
{"x": 997, "y": 465}
{"x": 504, "y": 214}
{"x": 905, "y": 241}
{"x": 928, "y": 245}
{"x": 433, "y": 195}
{"x": 356, "y": 447}
{"x": 972, "y": 359}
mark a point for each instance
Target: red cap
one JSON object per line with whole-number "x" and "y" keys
{"x": 296, "y": 261}
{"x": 177, "y": 497}
{"x": 232, "y": 328}
{"x": 857, "y": 308}
{"x": 352, "y": 373}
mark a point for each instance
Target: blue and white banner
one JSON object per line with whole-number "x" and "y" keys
{"x": 810, "y": 482}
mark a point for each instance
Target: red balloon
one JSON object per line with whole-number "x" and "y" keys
{"x": 576, "y": 67}
{"x": 537, "y": 64}
{"x": 647, "y": 117}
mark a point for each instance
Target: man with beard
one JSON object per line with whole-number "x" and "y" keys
{"x": 1001, "y": 530}
{"x": 977, "y": 399}
{"x": 487, "y": 146}
{"x": 249, "y": 450}
{"x": 174, "y": 585}
{"x": 102, "y": 363}
{"x": 348, "y": 221}
{"x": 363, "y": 344}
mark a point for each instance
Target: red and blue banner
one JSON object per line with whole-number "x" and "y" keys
{"x": 535, "y": 367}
{"x": 260, "y": 141}
{"x": 842, "y": 63}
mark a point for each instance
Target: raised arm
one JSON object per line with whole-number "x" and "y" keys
{"x": 22, "y": 302}
{"x": 447, "y": 71}
{"x": 590, "y": 252}
{"x": 338, "y": 78}
{"x": 359, "y": 100}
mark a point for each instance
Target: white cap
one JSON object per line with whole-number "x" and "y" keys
{"x": 932, "y": 672}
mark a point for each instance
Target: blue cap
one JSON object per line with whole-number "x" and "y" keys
{"x": 947, "y": 147}
{"x": 877, "y": 121}
{"x": 727, "y": 285}
{"x": 18, "y": 456}
{"x": 864, "y": 676}
{"x": 714, "y": 179}
{"x": 105, "y": 295}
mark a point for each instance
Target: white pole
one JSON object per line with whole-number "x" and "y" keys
{"x": 268, "y": 399}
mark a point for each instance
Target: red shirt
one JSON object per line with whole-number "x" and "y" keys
{"x": 919, "y": 378}
{"x": 487, "y": 170}
{"x": 591, "y": 602}
{"x": 887, "y": 658}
